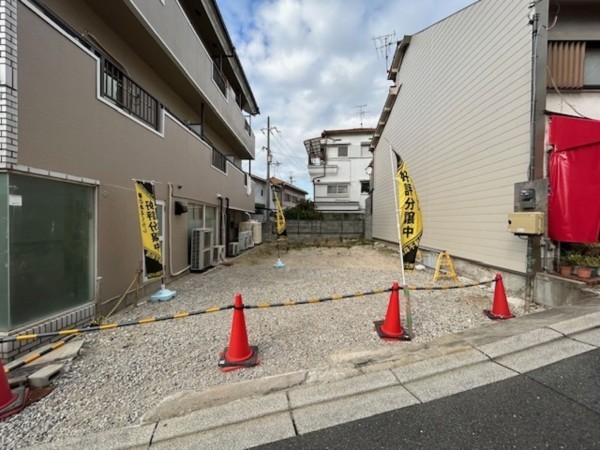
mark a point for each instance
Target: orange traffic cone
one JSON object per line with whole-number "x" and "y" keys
{"x": 11, "y": 401}
{"x": 500, "y": 309}
{"x": 239, "y": 354}
{"x": 391, "y": 327}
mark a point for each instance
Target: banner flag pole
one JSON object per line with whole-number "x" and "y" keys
{"x": 149, "y": 229}
{"x": 281, "y": 228}
{"x": 409, "y": 324}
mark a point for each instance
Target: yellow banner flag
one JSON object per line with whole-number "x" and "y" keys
{"x": 279, "y": 217}
{"x": 149, "y": 229}
{"x": 410, "y": 220}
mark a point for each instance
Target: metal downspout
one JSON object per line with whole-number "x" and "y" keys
{"x": 170, "y": 233}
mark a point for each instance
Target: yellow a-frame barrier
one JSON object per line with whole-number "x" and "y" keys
{"x": 444, "y": 268}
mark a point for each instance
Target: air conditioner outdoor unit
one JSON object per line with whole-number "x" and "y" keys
{"x": 201, "y": 249}
{"x": 245, "y": 240}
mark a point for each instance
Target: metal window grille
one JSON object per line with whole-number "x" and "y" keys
{"x": 566, "y": 63}
{"x": 219, "y": 161}
{"x": 219, "y": 79}
{"x": 128, "y": 95}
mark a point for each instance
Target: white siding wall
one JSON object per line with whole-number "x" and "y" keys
{"x": 461, "y": 122}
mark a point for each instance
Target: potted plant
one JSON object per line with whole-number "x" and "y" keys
{"x": 593, "y": 262}
{"x": 585, "y": 266}
{"x": 566, "y": 266}
{"x": 578, "y": 261}
{"x": 569, "y": 265}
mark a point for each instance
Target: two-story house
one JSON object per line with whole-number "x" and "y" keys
{"x": 470, "y": 112}
{"x": 97, "y": 94}
{"x": 288, "y": 194}
{"x": 338, "y": 163}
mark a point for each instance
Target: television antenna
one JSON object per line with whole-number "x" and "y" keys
{"x": 361, "y": 113}
{"x": 382, "y": 46}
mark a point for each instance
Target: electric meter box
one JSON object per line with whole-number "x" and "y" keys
{"x": 526, "y": 223}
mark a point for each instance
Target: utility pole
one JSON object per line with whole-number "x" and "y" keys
{"x": 269, "y": 160}
{"x": 268, "y": 170}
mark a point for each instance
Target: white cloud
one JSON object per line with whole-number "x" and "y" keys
{"x": 311, "y": 63}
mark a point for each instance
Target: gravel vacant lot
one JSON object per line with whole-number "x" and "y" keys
{"x": 122, "y": 374}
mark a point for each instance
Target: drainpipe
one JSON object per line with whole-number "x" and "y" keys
{"x": 226, "y": 222}
{"x": 539, "y": 21}
{"x": 170, "y": 234}
{"x": 531, "y": 170}
{"x": 221, "y": 221}
{"x": 532, "y": 128}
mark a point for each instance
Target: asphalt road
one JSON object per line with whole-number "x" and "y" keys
{"x": 555, "y": 407}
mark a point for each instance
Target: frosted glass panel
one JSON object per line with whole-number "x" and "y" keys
{"x": 591, "y": 68}
{"x": 51, "y": 247}
{"x": 4, "y": 315}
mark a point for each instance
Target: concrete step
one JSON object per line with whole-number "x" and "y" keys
{"x": 42, "y": 377}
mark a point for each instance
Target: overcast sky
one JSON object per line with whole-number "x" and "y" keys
{"x": 313, "y": 65}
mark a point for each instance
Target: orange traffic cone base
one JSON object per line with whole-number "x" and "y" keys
{"x": 227, "y": 365}
{"x": 16, "y": 404}
{"x": 402, "y": 336}
{"x": 493, "y": 316}
{"x": 500, "y": 309}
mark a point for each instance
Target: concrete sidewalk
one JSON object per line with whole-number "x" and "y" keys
{"x": 357, "y": 385}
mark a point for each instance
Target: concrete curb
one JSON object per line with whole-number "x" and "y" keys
{"x": 360, "y": 384}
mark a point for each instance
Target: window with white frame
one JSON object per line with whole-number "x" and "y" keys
{"x": 337, "y": 190}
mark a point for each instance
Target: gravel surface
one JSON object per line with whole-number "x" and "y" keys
{"x": 121, "y": 374}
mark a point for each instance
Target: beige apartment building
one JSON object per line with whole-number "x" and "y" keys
{"x": 97, "y": 94}
{"x": 469, "y": 109}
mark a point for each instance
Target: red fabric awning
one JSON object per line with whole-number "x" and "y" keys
{"x": 574, "y": 175}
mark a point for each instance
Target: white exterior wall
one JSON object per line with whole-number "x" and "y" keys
{"x": 585, "y": 103}
{"x": 461, "y": 123}
{"x": 260, "y": 192}
{"x": 349, "y": 170}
